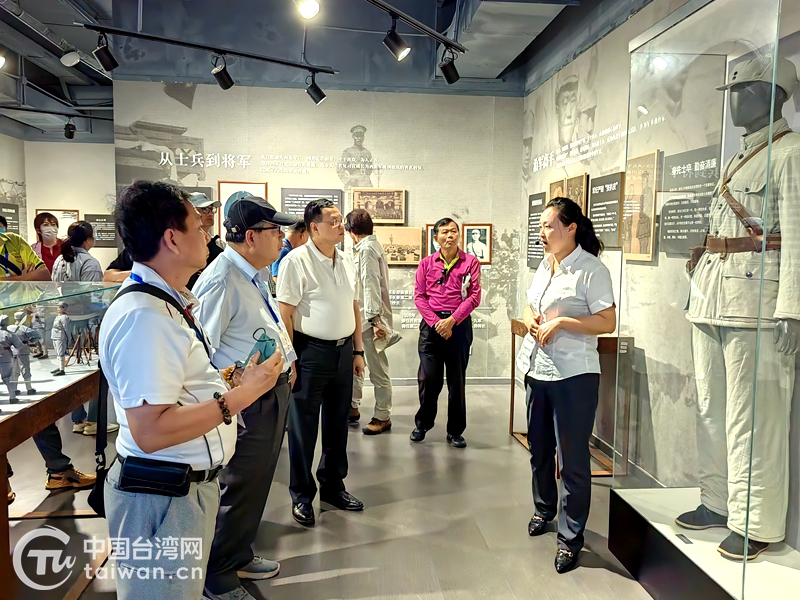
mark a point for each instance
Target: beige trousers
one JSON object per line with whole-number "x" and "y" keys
{"x": 743, "y": 405}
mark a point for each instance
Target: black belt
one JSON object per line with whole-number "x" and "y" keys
{"x": 444, "y": 314}
{"x": 337, "y": 343}
{"x": 204, "y": 476}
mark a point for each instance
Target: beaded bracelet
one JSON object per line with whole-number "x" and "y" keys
{"x": 223, "y": 406}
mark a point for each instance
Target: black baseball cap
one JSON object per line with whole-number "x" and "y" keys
{"x": 249, "y": 213}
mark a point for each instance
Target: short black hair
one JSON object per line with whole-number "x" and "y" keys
{"x": 313, "y": 213}
{"x": 144, "y": 211}
{"x": 299, "y": 227}
{"x": 442, "y": 223}
{"x": 3, "y": 222}
{"x": 359, "y": 222}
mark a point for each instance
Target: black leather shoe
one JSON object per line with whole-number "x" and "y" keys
{"x": 732, "y": 547}
{"x": 418, "y": 434}
{"x": 701, "y": 518}
{"x": 303, "y": 513}
{"x": 565, "y": 560}
{"x": 343, "y": 501}
{"x": 537, "y": 525}
{"x": 456, "y": 441}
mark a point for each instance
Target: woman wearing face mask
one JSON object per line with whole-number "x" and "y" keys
{"x": 48, "y": 246}
{"x": 570, "y": 303}
{"x": 75, "y": 262}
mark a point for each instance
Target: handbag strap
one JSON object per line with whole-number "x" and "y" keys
{"x": 9, "y": 265}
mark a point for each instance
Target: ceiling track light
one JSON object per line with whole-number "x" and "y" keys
{"x": 220, "y": 72}
{"x": 103, "y": 54}
{"x": 448, "y": 67}
{"x": 2, "y": 61}
{"x": 69, "y": 130}
{"x": 396, "y": 44}
{"x": 314, "y": 91}
{"x": 308, "y": 8}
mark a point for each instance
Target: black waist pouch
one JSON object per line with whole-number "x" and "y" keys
{"x": 148, "y": 476}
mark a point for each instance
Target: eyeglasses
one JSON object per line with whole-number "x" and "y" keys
{"x": 332, "y": 222}
{"x": 281, "y": 229}
{"x": 207, "y": 210}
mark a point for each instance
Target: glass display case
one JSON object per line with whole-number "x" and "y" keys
{"x": 710, "y": 291}
{"x": 48, "y": 338}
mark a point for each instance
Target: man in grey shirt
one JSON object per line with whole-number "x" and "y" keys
{"x": 236, "y": 308}
{"x": 372, "y": 293}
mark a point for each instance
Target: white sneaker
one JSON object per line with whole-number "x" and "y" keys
{"x": 259, "y": 568}
{"x": 91, "y": 428}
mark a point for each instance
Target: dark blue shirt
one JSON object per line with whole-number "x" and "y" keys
{"x": 287, "y": 247}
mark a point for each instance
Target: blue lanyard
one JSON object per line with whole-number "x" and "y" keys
{"x": 266, "y": 301}
{"x": 187, "y": 315}
{"x": 136, "y": 278}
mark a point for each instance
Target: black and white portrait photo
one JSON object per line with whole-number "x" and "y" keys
{"x": 478, "y": 242}
{"x": 432, "y": 245}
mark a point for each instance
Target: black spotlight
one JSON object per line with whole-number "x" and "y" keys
{"x": 395, "y": 43}
{"x": 103, "y": 54}
{"x": 313, "y": 90}
{"x": 448, "y": 67}
{"x": 69, "y": 130}
{"x": 220, "y": 73}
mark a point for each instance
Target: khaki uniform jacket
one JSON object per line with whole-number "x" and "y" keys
{"x": 725, "y": 291}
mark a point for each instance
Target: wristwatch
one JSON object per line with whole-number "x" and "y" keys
{"x": 358, "y": 353}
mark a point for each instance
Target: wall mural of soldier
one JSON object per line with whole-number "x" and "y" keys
{"x": 355, "y": 166}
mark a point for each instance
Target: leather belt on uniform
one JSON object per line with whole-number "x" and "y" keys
{"x": 727, "y": 245}
{"x": 337, "y": 343}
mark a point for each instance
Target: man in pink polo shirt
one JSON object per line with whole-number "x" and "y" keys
{"x": 446, "y": 291}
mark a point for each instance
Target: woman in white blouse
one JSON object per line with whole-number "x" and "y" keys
{"x": 570, "y": 303}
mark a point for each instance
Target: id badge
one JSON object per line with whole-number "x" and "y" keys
{"x": 288, "y": 349}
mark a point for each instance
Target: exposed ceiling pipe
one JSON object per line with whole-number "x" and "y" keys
{"x": 88, "y": 65}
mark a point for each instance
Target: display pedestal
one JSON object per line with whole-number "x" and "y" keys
{"x": 673, "y": 563}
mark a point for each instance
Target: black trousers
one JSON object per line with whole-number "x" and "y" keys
{"x": 435, "y": 355}
{"x": 561, "y": 414}
{"x": 324, "y": 381}
{"x": 244, "y": 486}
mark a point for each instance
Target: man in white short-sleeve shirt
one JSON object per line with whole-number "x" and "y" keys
{"x": 317, "y": 296}
{"x": 237, "y": 308}
{"x": 171, "y": 403}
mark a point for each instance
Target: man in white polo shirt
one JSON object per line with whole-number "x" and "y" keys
{"x": 236, "y": 308}
{"x": 317, "y": 297}
{"x": 177, "y": 416}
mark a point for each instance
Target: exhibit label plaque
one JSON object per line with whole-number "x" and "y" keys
{"x": 105, "y": 233}
{"x": 605, "y": 207}
{"x": 689, "y": 181}
{"x": 295, "y": 200}
{"x": 536, "y": 204}
{"x": 11, "y": 213}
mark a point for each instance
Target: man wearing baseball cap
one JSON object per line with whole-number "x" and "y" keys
{"x": 744, "y": 295}
{"x": 236, "y": 310}
{"x": 208, "y": 213}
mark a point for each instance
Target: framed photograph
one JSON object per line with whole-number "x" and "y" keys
{"x": 227, "y": 188}
{"x": 387, "y": 207}
{"x": 639, "y": 207}
{"x": 65, "y": 216}
{"x": 431, "y": 247}
{"x": 402, "y": 245}
{"x": 576, "y": 190}
{"x": 558, "y": 189}
{"x": 478, "y": 241}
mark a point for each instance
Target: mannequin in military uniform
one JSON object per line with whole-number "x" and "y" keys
{"x": 60, "y": 337}
{"x": 355, "y": 165}
{"x": 8, "y": 341}
{"x": 22, "y": 356}
{"x": 724, "y": 307}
